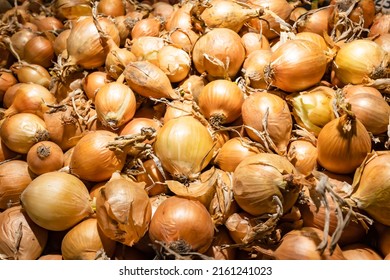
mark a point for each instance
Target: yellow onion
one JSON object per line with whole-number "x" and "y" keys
{"x": 154, "y": 180}
{"x": 313, "y": 109}
{"x": 184, "y": 39}
{"x": 123, "y": 210}
{"x": 240, "y": 225}
{"x": 383, "y": 238}
{"x": 5, "y": 152}
{"x": 137, "y": 124}
{"x": 180, "y": 17}
{"x": 343, "y": 144}
{"x": 315, "y": 38}
{"x": 45, "y": 156}
{"x": 93, "y": 82}
{"x": 59, "y": 43}
{"x": 184, "y": 147}
{"x": 111, "y": 8}
{"x": 39, "y": 50}
{"x": 380, "y": 25}
{"x": 146, "y": 27}
{"x": 216, "y": 251}
{"x": 116, "y": 61}
{"x": 266, "y": 107}
{"x": 233, "y": 152}
{"x": 148, "y": 80}
{"x": 162, "y": 10}
{"x": 220, "y": 102}
{"x": 292, "y": 55}
{"x": 65, "y": 9}
{"x": 253, "y": 68}
{"x": 175, "y": 63}
{"x": 85, "y": 241}
{"x": 146, "y": 48}
{"x": 19, "y": 40}
{"x": 362, "y": 12}
{"x": 192, "y": 86}
{"x": 315, "y": 20}
{"x": 253, "y": 41}
{"x": 47, "y": 23}
{"x": 21, "y": 131}
{"x": 50, "y": 257}
{"x": 178, "y": 108}
{"x": 32, "y": 73}
{"x": 182, "y": 223}
{"x": 371, "y": 184}
{"x": 258, "y": 178}
{"x": 6, "y": 80}
{"x": 14, "y": 178}
{"x": 360, "y": 61}
{"x": 360, "y": 251}
{"x": 92, "y": 160}
{"x": 303, "y": 155}
{"x": 20, "y": 238}
{"x": 56, "y": 200}
{"x": 219, "y": 52}
{"x": 115, "y": 104}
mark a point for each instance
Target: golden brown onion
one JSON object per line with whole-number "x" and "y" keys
{"x": 45, "y": 156}
{"x": 254, "y": 66}
{"x": 360, "y": 251}
{"x": 303, "y": 155}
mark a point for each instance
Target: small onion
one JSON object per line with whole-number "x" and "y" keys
{"x": 20, "y": 238}
{"x": 182, "y": 223}
{"x": 47, "y": 23}
{"x": 116, "y": 61}
{"x": 180, "y": 17}
{"x": 154, "y": 180}
{"x": 65, "y": 9}
{"x": 315, "y": 20}
{"x": 111, "y": 8}
{"x": 184, "y": 39}
{"x": 19, "y": 40}
{"x": 56, "y": 201}
{"x": 216, "y": 251}
{"x": 93, "y": 82}
{"x": 6, "y": 81}
{"x": 253, "y": 41}
{"x": 150, "y": 26}
{"x": 21, "y": 131}
{"x": 175, "y": 63}
{"x": 343, "y": 144}
{"x": 360, "y": 251}
{"x": 92, "y": 160}
{"x": 123, "y": 210}
{"x": 146, "y": 48}
{"x": 239, "y": 225}
{"x": 32, "y": 73}
{"x": 176, "y": 109}
{"x": 85, "y": 241}
{"x": 39, "y": 50}
{"x": 253, "y": 68}
{"x": 45, "y": 156}
{"x": 380, "y": 25}
{"x": 303, "y": 155}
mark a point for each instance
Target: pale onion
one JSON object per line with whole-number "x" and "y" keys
{"x": 65, "y": 9}
{"x": 180, "y": 17}
{"x": 20, "y": 238}
{"x": 32, "y": 73}
{"x": 146, "y": 48}
{"x": 273, "y": 110}
{"x": 182, "y": 223}
{"x": 380, "y": 25}
{"x": 85, "y": 241}
{"x": 220, "y": 101}
{"x": 192, "y": 86}
{"x": 219, "y": 52}
{"x": 184, "y": 147}
{"x": 45, "y": 156}
{"x": 14, "y": 178}
{"x": 175, "y": 62}
{"x": 233, "y": 152}
{"x": 303, "y": 155}
{"x": 253, "y": 41}
{"x": 178, "y": 108}
{"x": 360, "y": 251}
{"x": 292, "y": 55}
{"x": 56, "y": 200}
{"x": 115, "y": 104}
{"x": 21, "y": 131}
{"x": 123, "y": 210}
{"x": 258, "y": 178}
{"x": 343, "y": 144}
{"x": 312, "y": 109}
{"x": 254, "y": 66}
{"x": 360, "y": 61}
{"x": 92, "y": 160}
{"x": 371, "y": 186}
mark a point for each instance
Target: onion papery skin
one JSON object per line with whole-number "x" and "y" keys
{"x": 175, "y": 62}
{"x": 216, "y": 251}
{"x": 342, "y": 151}
{"x": 302, "y": 245}
{"x": 184, "y": 147}
{"x": 303, "y": 155}
{"x": 84, "y": 45}
{"x": 123, "y": 210}
{"x": 371, "y": 183}
{"x": 15, "y": 224}
{"x": 180, "y": 219}
{"x": 360, "y": 61}
{"x": 21, "y": 131}
{"x": 115, "y": 104}
{"x": 56, "y": 201}
{"x": 14, "y": 178}
{"x": 292, "y": 55}
{"x": 279, "y": 120}
{"x": 360, "y": 251}
{"x": 84, "y": 240}
{"x": 258, "y": 178}
{"x": 220, "y": 101}
{"x": 223, "y": 45}
{"x": 92, "y": 160}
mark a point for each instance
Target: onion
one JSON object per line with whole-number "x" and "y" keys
{"x": 315, "y": 38}
{"x": 14, "y": 178}
{"x": 343, "y": 144}
{"x": 219, "y": 53}
{"x": 258, "y": 178}
{"x": 180, "y": 17}
{"x": 150, "y": 26}
{"x": 362, "y": 10}
{"x": 216, "y": 251}
{"x": 380, "y": 25}
{"x": 92, "y": 149}
{"x": 5, "y": 152}
{"x": 360, "y": 61}
{"x": 162, "y": 10}
{"x": 384, "y": 41}
{"x": 32, "y": 73}
{"x": 65, "y": 9}
{"x": 192, "y": 86}
{"x": 6, "y": 81}
{"x": 253, "y": 68}
{"x": 233, "y": 152}
{"x": 20, "y": 238}
{"x": 147, "y": 48}
{"x": 85, "y": 241}
{"x": 220, "y": 101}
{"x": 239, "y": 225}
{"x": 371, "y": 184}
{"x": 360, "y": 251}
{"x": 39, "y": 50}
{"x": 116, "y": 61}
{"x": 253, "y": 41}
{"x": 296, "y": 54}
{"x": 184, "y": 147}
{"x": 303, "y": 155}
{"x": 45, "y": 156}
{"x": 315, "y": 20}
{"x": 383, "y": 238}
{"x": 111, "y": 8}
{"x": 175, "y": 63}
{"x": 50, "y": 257}
{"x": 184, "y": 39}
{"x": 154, "y": 180}
{"x": 115, "y": 104}
{"x": 93, "y": 82}
{"x": 21, "y": 131}
{"x": 182, "y": 223}
{"x": 123, "y": 210}
{"x": 267, "y": 108}
{"x": 10, "y": 93}
{"x": 56, "y": 201}
{"x": 19, "y": 40}
{"x": 47, "y": 23}
{"x": 148, "y": 80}
{"x": 178, "y": 108}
